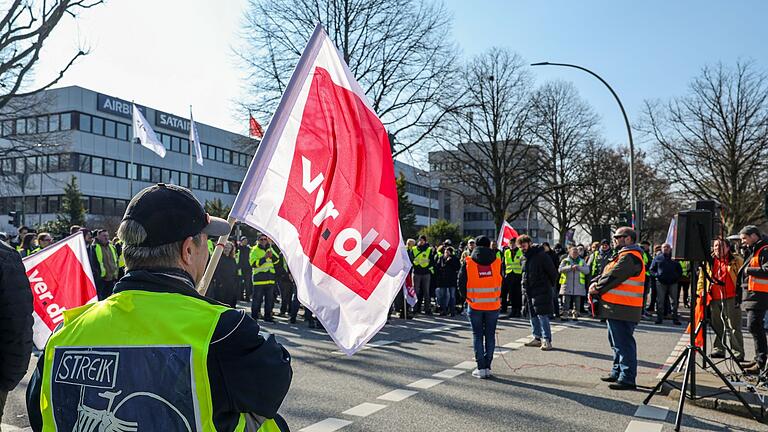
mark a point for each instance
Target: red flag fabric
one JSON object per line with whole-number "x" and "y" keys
{"x": 698, "y": 315}
{"x": 322, "y": 185}
{"x": 254, "y": 128}
{"x": 60, "y": 277}
{"x": 506, "y": 234}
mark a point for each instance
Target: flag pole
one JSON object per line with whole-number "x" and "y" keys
{"x": 131, "y": 169}
{"x": 202, "y": 287}
{"x": 191, "y": 134}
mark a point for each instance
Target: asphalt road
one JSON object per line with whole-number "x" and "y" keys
{"x": 416, "y": 376}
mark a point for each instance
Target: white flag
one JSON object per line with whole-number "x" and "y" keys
{"x": 146, "y": 136}
{"x": 322, "y": 185}
{"x": 194, "y": 138}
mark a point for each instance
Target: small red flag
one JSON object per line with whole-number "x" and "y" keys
{"x": 255, "y": 128}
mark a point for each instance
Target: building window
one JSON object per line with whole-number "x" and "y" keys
{"x": 53, "y": 163}
{"x": 144, "y": 173}
{"x": 85, "y": 123}
{"x": 166, "y": 141}
{"x": 155, "y": 175}
{"x": 184, "y": 179}
{"x": 122, "y": 132}
{"x": 42, "y": 124}
{"x": 98, "y": 126}
{"x": 175, "y": 144}
{"x": 120, "y": 206}
{"x": 21, "y": 127}
{"x": 185, "y": 146}
{"x": 85, "y": 163}
{"x": 97, "y": 165}
{"x": 31, "y": 126}
{"x": 120, "y": 169}
{"x": 66, "y": 121}
{"x": 53, "y": 124}
{"x": 110, "y": 129}
{"x": 97, "y": 206}
{"x": 109, "y": 167}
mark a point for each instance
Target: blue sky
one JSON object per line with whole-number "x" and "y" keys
{"x": 172, "y": 53}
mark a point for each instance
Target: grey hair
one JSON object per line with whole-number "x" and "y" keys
{"x": 131, "y": 233}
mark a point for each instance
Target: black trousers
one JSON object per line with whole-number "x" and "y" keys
{"x": 512, "y": 292}
{"x": 266, "y": 294}
{"x": 286, "y": 294}
{"x": 104, "y": 289}
{"x": 755, "y": 325}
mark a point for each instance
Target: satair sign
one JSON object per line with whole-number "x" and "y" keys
{"x": 171, "y": 122}
{"x": 116, "y": 106}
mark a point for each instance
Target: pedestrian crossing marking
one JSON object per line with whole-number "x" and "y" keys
{"x": 424, "y": 383}
{"x": 397, "y": 395}
{"x": 641, "y": 426}
{"x": 653, "y": 412}
{"x": 328, "y": 425}
{"x": 448, "y": 373}
{"x": 465, "y": 365}
{"x": 364, "y": 409}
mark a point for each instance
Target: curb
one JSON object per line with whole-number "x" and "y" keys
{"x": 723, "y": 405}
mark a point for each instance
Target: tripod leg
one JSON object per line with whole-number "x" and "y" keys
{"x": 671, "y": 369}
{"x": 689, "y": 369}
{"x": 730, "y": 386}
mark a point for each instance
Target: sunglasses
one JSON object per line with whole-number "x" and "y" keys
{"x": 616, "y": 237}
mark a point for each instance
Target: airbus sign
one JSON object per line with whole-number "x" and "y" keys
{"x": 116, "y": 106}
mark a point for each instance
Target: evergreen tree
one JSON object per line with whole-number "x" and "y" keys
{"x": 216, "y": 207}
{"x": 405, "y": 210}
{"x": 441, "y": 230}
{"x": 72, "y": 210}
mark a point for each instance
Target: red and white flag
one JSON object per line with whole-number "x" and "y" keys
{"x": 322, "y": 185}
{"x": 506, "y": 234}
{"x": 60, "y": 277}
{"x": 254, "y": 128}
{"x": 409, "y": 291}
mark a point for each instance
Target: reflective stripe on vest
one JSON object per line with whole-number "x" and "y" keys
{"x": 136, "y": 361}
{"x": 629, "y": 292}
{"x": 100, "y": 258}
{"x": 483, "y": 285}
{"x": 513, "y": 264}
{"x": 268, "y": 267}
{"x": 421, "y": 258}
{"x": 755, "y": 283}
{"x": 582, "y": 279}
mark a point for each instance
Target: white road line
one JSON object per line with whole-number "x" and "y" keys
{"x": 364, "y": 409}
{"x": 328, "y": 425}
{"x": 448, "y": 373}
{"x": 465, "y": 365}
{"x": 525, "y": 339}
{"x": 441, "y": 329}
{"x": 370, "y": 345}
{"x": 653, "y": 412}
{"x": 513, "y": 345}
{"x": 424, "y": 383}
{"x": 641, "y": 426}
{"x": 397, "y": 395}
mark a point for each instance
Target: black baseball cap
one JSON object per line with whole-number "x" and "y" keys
{"x": 170, "y": 213}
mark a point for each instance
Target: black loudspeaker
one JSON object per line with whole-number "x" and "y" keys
{"x": 716, "y": 210}
{"x": 693, "y": 238}
{"x": 600, "y": 232}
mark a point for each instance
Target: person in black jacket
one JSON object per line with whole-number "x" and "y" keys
{"x": 15, "y": 321}
{"x": 753, "y": 277}
{"x": 248, "y": 375}
{"x": 447, "y": 270}
{"x": 539, "y": 279}
{"x": 224, "y": 285}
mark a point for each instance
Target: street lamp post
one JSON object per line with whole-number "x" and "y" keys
{"x": 429, "y": 196}
{"x": 632, "y": 195}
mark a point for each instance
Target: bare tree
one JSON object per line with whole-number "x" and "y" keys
{"x": 602, "y": 177}
{"x": 399, "y": 50}
{"x": 563, "y": 126}
{"x": 486, "y": 158}
{"x": 713, "y": 142}
{"x": 24, "y": 28}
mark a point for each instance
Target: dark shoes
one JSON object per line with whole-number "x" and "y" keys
{"x": 658, "y": 321}
{"x": 717, "y": 354}
{"x": 609, "y": 378}
{"x": 618, "y": 385}
{"x": 753, "y": 370}
{"x": 676, "y": 322}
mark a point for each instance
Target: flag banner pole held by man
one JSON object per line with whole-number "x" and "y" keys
{"x": 506, "y": 234}
{"x": 146, "y": 135}
{"x": 322, "y": 186}
{"x": 60, "y": 277}
{"x": 672, "y": 233}
{"x": 194, "y": 138}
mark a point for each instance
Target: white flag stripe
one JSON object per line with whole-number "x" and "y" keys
{"x": 146, "y": 135}
{"x": 194, "y": 138}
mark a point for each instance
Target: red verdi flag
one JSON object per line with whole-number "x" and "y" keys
{"x": 255, "y": 128}
{"x": 60, "y": 277}
{"x": 506, "y": 234}
{"x": 322, "y": 185}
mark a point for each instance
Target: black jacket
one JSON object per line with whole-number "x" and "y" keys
{"x": 15, "y": 319}
{"x": 247, "y": 373}
{"x": 482, "y": 256}
{"x": 225, "y": 286}
{"x": 539, "y": 278}
{"x": 447, "y": 271}
{"x": 754, "y": 299}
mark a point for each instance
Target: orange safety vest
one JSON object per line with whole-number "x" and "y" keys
{"x": 484, "y": 285}
{"x": 757, "y": 283}
{"x": 629, "y": 292}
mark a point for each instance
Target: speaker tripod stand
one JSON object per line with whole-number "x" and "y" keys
{"x": 689, "y": 375}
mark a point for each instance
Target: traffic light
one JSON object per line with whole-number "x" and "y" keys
{"x": 15, "y": 218}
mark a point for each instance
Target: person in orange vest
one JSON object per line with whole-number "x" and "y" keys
{"x": 620, "y": 291}
{"x": 480, "y": 283}
{"x": 754, "y": 274}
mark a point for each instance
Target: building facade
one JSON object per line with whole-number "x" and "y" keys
{"x": 423, "y": 192}
{"x": 94, "y": 143}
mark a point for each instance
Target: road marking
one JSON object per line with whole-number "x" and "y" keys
{"x": 441, "y": 329}
{"x": 653, "y": 412}
{"x": 364, "y": 409}
{"x": 397, "y": 395}
{"x": 448, "y": 373}
{"x": 513, "y": 345}
{"x": 370, "y": 345}
{"x": 328, "y": 425}
{"x": 424, "y": 383}
{"x": 525, "y": 339}
{"x": 465, "y": 365}
{"x": 641, "y": 426}
{"x": 7, "y": 427}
